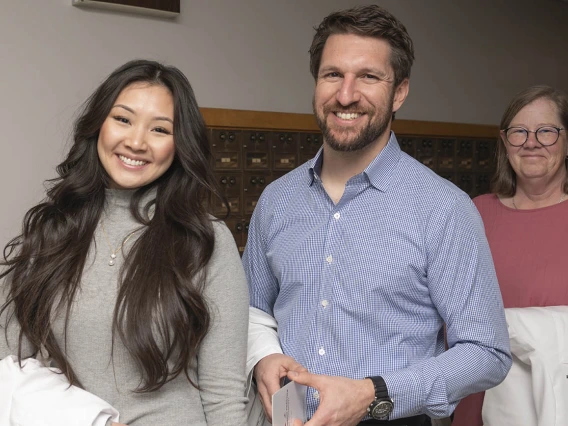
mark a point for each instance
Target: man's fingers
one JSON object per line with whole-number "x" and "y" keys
{"x": 266, "y": 399}
{"x": 267, "y": 409}
{"x": 272, "y": 385}
{"x": 304, "y": 378}
{"x": 297, "y": 367}
{"x": 268, "y": 373}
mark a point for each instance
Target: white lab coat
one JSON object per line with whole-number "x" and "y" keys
{"x": 262, "y": 341}
{"x": 35, "y": 395}
{"x": 535, "y": 392}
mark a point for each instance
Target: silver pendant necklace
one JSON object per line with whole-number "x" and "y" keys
{"x": 113, "y": 253}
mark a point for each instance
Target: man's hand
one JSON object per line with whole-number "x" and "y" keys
{"x": 268, "y": 373}
{"x": 343, "y": 401}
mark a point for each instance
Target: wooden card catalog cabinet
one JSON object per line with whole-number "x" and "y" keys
{"x": 160, "y": 8}
{"x": 252, "y": 149}
{"x": 231, "y": 184}
{"x": 245, "y": 161}
{"x": 285, "y": 151}
{"x": 256, "y": 150}
{"x": 226, "y": 147}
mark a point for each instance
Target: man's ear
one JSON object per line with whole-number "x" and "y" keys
{"x": 400, "y": 94}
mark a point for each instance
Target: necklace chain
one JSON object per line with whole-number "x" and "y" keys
{"x": 113, "y": 253}
{"x": 559, "y": 201}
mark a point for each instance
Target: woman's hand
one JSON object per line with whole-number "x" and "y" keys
{"x": 117, "y": 424}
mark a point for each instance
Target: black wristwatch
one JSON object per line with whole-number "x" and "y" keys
{"x": 383, "y": 405}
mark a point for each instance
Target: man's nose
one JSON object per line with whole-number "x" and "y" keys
{"x": 348, "y": 93}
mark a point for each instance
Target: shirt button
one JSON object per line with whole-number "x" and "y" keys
{"x": 329, "y": 259}
{"x": 337, "y": 215}
{"x": 316, "y": 395}
{"x": 321, "y": 351}
{"x": 324, "y": 303}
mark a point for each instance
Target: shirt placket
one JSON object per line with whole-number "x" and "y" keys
{"x": 330, "y": 279}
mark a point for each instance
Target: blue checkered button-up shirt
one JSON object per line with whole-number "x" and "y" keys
{"x": 363, "y": 287}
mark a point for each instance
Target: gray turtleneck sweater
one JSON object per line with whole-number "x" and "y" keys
{"x": 113, "y": 377}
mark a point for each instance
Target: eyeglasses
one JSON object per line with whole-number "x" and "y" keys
{"x": 546, "y": 135}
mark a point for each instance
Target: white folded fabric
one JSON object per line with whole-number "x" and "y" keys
{"x": 262, "y": 341}
{"x": 35, "y": 395}
{"x": 535, "y": 392}
{"x": 262, "y": 337}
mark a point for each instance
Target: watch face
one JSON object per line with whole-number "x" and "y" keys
{"x": 381, "y": 410}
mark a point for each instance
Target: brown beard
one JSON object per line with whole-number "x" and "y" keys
{"x": 369, "y": 134}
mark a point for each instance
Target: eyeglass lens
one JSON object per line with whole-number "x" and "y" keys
{"x": 517, "y": 136}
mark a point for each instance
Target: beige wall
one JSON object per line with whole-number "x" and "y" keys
{"x": 472, "y": 56}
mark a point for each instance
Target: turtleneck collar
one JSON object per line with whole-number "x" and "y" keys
{"x": 118, "y": 200}
{"x": 119, "y": 197}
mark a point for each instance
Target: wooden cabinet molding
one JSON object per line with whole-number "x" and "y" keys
{"x": 241, "y": 119}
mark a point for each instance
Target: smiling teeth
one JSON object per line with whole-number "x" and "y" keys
{"x": 131, "y": 162}
{"x": 347, "y": 116}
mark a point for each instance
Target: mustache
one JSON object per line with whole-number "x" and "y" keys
{"x": 350, "y": 109}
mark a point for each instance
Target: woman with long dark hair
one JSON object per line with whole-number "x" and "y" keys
{"x": 121, "y": 276}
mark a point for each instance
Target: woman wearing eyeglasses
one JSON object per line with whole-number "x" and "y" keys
{"x": 526, "y": 216}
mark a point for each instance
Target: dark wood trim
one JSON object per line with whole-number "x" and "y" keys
{"x": 242, "y": 119}
{"x": 159, "y": 8}
{"x": 441, "y": 129}
{"x": 237, "y": 119}
{"x": 165, "y": 5}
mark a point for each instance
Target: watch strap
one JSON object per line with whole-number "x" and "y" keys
{"x": 382, "y": 406}
{"x": 381, "y": 391}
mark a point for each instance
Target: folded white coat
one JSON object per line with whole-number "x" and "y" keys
{"x": 535, "y": 392}
{"x": 262, "y": 341}
{"x": 35, "y": 395}
{"x": 262, "y": 337}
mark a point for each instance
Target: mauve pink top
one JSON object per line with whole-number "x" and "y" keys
{"x": 530, "y": 252}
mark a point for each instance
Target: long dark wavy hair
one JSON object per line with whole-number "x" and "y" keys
{"x": 161, "y": 315}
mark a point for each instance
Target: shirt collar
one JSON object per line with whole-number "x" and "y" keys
{"x": 315, "y": 167}
{"x": 379, "y": 171}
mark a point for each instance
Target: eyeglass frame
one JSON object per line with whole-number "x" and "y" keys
{"x": 558, "y": 130}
